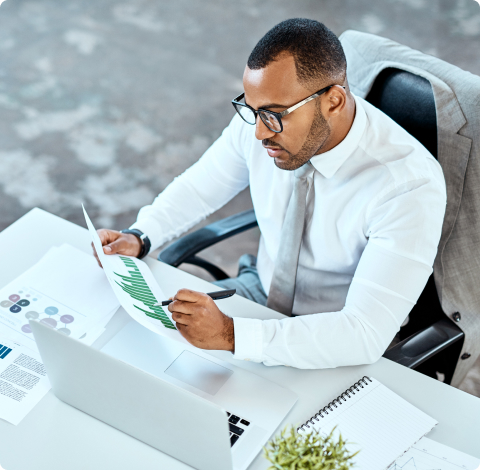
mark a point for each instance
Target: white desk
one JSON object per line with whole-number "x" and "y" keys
{"x": 56, "y": 436}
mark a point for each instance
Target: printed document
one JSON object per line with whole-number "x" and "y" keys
{"x": 65, "y": 290}
{"x": 23, "y": 380}
{"x": 136, "y": 289}
{"x": 431, "y": 455}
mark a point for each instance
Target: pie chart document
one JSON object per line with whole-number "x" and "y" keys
{"x": 66, "y": 290}
{"x": 431, "y": 455}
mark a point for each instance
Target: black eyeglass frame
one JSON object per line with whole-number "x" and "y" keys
{"x": 279, "y": 116}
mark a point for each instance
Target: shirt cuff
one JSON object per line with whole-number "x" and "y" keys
{"x": 151, "y": 228}
{"x": 248, "y": 339}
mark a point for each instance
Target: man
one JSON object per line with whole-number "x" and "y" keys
{"x": 350, "y": 207}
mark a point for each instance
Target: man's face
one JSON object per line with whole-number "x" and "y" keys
{"x": 305, "y": 130}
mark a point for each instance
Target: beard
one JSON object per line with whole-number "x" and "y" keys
{"x": 316, "y": 138}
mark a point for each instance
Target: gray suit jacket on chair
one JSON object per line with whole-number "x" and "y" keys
{"x": 457, "y": 101}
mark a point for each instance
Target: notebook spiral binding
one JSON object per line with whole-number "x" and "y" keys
{"x": 340, "y": 400}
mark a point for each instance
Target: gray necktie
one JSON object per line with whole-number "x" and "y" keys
{"x": 282, "y": 288}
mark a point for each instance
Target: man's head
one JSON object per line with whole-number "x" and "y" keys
{"x": 292, "y": 61}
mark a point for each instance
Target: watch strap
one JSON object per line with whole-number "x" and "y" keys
{"x": 146, "y": 244}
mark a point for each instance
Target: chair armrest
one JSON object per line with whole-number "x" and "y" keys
{"x": 189, "y": 245}
{"x": 414, "y": 350}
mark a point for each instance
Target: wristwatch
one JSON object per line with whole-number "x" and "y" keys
{"x": 146, "y": 245}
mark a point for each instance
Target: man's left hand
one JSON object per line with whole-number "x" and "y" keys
{"x": 200, "y": 321}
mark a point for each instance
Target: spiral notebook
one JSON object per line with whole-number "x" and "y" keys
{"x": 374, "y": 420}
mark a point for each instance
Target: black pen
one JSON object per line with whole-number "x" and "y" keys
{"x": 221, "y": 294}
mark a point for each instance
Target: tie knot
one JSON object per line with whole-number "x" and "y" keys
{"x": 304, "y": 171}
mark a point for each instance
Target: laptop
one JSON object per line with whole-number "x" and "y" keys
{"x": 180, "y": 400}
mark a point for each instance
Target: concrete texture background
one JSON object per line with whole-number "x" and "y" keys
{"x": 106, "y": 102}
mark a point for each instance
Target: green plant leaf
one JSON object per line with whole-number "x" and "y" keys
{"x": 312, "y": 451}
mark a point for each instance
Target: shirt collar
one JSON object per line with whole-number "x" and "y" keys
{"x": 329, "y": 162}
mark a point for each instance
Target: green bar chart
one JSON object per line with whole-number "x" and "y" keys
{"x": 137, "y": 288}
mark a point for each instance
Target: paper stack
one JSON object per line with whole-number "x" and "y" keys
{"x": 65, "y": 290}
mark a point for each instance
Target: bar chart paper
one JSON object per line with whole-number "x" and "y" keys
{"x": 136, "y": 289}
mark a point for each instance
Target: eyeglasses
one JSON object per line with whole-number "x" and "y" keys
{"x": 271, "y": 119}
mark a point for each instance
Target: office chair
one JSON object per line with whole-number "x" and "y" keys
{"x": 429, "y": 343}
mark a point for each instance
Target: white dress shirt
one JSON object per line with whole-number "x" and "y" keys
{"x": 374, "y": 219}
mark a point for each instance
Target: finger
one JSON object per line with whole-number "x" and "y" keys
{"x": 118, "y": 246}
{"x": 181, "y": 318}
{"x": 187, "y": 308}
{"x": 96, "y": 256}
{"x": 187, "y": 295}
{"x": 107, "y": 236}
{"x": 98, "y": 261}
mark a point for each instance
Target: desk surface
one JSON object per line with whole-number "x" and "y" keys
{"x": 56, "y": 436}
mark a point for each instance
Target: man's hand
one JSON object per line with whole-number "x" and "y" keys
{"x": 114, "y": 242}
{"x": 200, "y": 321}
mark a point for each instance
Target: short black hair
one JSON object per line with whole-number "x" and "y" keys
{"x": 317, "y": 51}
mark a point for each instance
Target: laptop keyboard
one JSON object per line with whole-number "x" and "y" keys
{"x": 237, "y": 427}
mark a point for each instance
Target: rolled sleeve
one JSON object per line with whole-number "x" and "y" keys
{"x": 404, "y": 230}
{"x": 152, "y": 228}
{"x": 248, "y": 339}
{"x": 219, "y": 175}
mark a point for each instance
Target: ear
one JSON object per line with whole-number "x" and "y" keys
{"x": 334, "y": 102}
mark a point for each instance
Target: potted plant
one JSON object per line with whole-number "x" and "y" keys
{"x": 311, "y": 451}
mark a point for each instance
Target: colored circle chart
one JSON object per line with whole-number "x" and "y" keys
{"x": 49, "y": 322}
{"x": 15, "y": 308}
{"x": 51, "y": 310}
{"x": 15, "y": 304}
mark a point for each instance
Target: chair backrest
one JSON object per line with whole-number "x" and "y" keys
{"x": 408, "y": 99}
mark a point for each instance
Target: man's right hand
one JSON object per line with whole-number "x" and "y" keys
{"x": 114, "y": 242}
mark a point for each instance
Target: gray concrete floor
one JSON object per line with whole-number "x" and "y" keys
{"x": 106, "y": 102}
